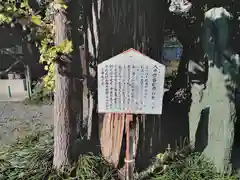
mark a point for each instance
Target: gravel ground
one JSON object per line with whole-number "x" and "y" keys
{"x": 18, "y": 119}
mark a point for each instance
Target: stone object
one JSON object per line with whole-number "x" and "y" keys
{"x": 212, "y": 117}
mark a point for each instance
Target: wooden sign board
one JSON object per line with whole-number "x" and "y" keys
{"x": 130, "y": 83}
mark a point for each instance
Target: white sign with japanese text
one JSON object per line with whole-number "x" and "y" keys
{"x": 130, "y": 83}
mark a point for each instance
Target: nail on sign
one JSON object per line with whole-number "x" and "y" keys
{"x": 130, "y": 83}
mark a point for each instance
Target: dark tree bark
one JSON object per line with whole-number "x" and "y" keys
{"x": 134, "y": 24}
{"x": 89, "y": 57}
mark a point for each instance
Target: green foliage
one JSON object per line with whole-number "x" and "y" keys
{"x": 31, "y": 158}
{"x": 39, "y": 27}
{"x": 4, "y": 18}
{"x": 36, "y": 20}
{"x": 41, "y": 95}
{"x": 182, "y": 164}
{"x": 48, "y": 55}
{"x": 93, "y": 167}
{"x": 194, "y": 167}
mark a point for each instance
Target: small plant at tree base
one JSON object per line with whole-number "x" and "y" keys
{"x": 41, "y": 95}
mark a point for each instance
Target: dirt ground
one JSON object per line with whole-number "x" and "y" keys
{"x": 18, "y": 120}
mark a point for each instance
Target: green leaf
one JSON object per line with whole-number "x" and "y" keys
{"x": 5, "y": 19}
{"x": 24, "y": 4}
{"x": 36, "y": 20}
{"x": 68, "y": 47}
{"x": 9, "y": 8}
{"x": 65, "y": 47}
{"x": 59, "y": 4}
{"x": 1, "y": 7}
{"x": 46, "y": 68}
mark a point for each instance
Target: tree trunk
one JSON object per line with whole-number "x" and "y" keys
{"x": 64, "y": 122}
{"x": 89, "y": 62}
{"x": 31, "y": 57}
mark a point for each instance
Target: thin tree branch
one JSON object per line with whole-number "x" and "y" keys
{"x": 18, "y": 60}
{"x": 10, "y": 68}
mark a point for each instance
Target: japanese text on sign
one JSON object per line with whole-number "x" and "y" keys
{"x": 130, "y": 83}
